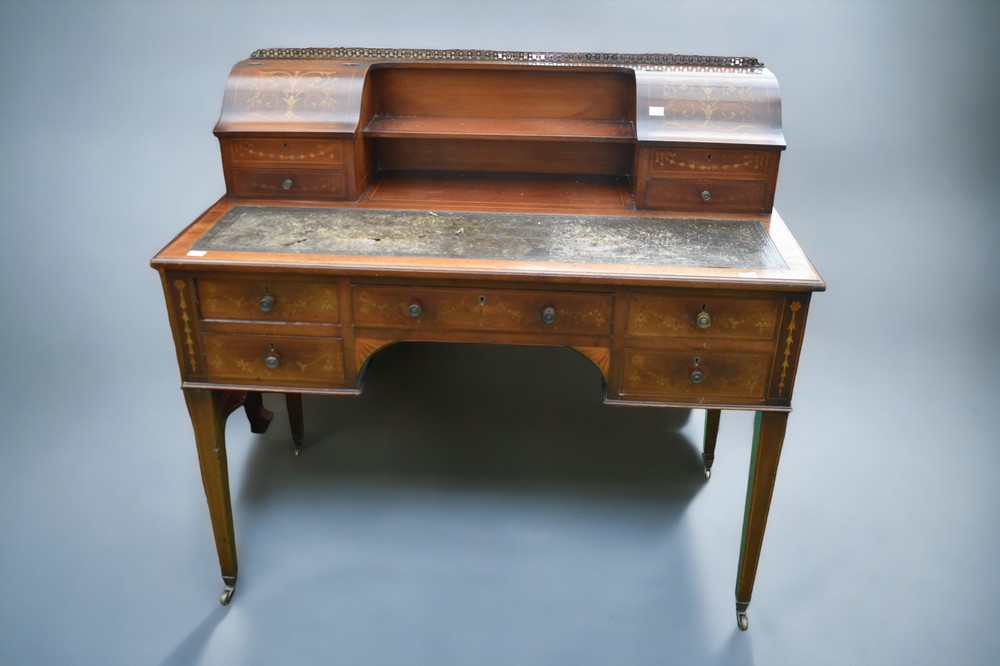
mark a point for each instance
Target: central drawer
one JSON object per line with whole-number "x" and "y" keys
{"x": 482, "y": 309}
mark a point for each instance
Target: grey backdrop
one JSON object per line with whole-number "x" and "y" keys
{"x": 473, "y": 506}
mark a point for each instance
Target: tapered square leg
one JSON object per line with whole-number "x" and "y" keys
{"x": 259, "y": 417}
{"x": 208, "y": 410}
{"x": 769, "y": 435}
{"x": 293, "y": 402}
{"x": 711, "y": 435}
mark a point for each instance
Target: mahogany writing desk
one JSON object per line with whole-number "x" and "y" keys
{"x": 620, "y": 205}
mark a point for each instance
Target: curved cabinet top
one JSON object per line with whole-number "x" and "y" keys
{"x": 679, "y": 99}
{"x": 708, "y": 105}
{"x": 293, "y": 95}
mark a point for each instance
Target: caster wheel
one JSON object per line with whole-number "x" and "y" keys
{"x": 742, "y": 622}
{"x": 227, "y": 595}
{"x": 708, "y": 474}
{"x": 298, "y": 449}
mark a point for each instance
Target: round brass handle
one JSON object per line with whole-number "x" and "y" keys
{"x": 703, "y": 320}
{"x": 548, "y": 315}
{"x": 414, "y": 310}
{"x": 287, "y": 184}
{"x": 267, "y": 303}
{"x": 272, "y": 360}
{"x": 706, "y": 195}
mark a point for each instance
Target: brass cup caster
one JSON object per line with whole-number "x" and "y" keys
{"x": 741, "y": 616}
{"x": 742, "y": 621}
{"x": 227, "y": 594}
{"x": 707, "y": 460}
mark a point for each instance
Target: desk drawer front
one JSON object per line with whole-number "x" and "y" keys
{"x": 706, "y": 196}
{"x": 284, "y": 152}
{"x": 274, "y": 360}
{"x": 730, "y": 318}
{"x": 709, "y": 375}
{"x": 486, "y": 309}
{"x": 711, "y": 162}
{"x": 268, "y": 300}
{"x": 290, "y": 183}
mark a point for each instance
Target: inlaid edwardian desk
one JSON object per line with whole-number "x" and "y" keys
{"x": 620, "y": 205}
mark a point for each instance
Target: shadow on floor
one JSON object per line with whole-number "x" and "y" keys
{"x": 483, "y": 415}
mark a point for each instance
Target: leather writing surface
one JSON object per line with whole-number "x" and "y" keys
{"x": 743, "y": 244}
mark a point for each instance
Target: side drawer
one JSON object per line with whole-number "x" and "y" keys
{"x": 705, "y": 376}
{"x": 711, "y": 162}
{"x": 290, "y": 183}
{"x": 285, "y": 152}
{"x": 274, "y": 360}
{"x": 261, "y": 299}
{"x": 705, "y": 317}
{"x": 486, "y": 309}
{"x": 705, "y": 195}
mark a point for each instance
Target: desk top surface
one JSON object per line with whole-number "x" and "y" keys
{"x": 591, "y": 239}
{"x": 556, "y": 247}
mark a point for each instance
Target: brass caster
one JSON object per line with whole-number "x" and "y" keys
{"x": 708, "y": 474}
{"x": 227, "y": 595}
{"x": 298, "y": 448}
{"x": 741, "y": 620}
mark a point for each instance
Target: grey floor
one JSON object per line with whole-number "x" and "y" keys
{"x": 477, "y": 504}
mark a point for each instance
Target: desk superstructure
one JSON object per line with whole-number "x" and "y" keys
{"x": 617, "y": 204}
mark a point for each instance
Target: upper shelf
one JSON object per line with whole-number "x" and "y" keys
{"x": 547, "y": 129}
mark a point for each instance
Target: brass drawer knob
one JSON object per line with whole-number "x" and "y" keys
{"x": 273, "y": 359}
{"x": 414, "y": 310}
{"x": 703, "y": 320}
{"x": 287, "y": 184}
{"x": 706, "y": 196}
{"x": 548, "y": 315}
{"x": 266, "y": 303}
